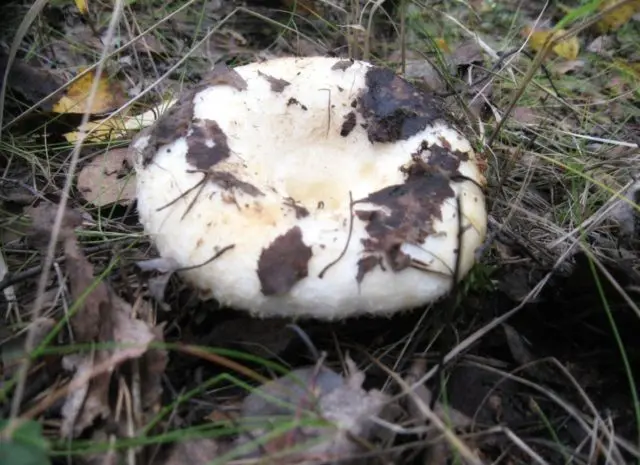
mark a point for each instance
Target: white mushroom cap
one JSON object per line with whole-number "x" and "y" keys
{"x": 335, "y": 181}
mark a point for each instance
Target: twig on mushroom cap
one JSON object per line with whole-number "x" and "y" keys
{"x": 346, "y": 245}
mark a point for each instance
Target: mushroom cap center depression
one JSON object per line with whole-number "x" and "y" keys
{"x": 283, "y": 133}
{"x": 284, "y": 153}
{"x": 290, "y": 142}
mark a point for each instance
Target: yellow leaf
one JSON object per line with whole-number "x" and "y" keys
{"x": 567, "y": 48}
{"x": 82, "y": 6}
{"x": 442, "y": 44}
{"x": 119, "y": 126}
{"x": 100, "y": 131}
{"x": 108, "y": 96}
{"x": 618, "y": 17}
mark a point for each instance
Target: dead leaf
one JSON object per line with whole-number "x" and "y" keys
{"x": 43, "y": 218}
{"x": 109, "y": 96}
{"x": 33, "y": 83}
{"x": 525, "y": 115}
{"x": 567, "y": 48}
{"x": 92, "y": 315}
{"x": 152, "y": 367}
{"x": 87, "y": 403}
{"x": 419, "y": 70}
{"x": 425, "y": 74}
{"x": 517, "y": 345}
{"x": 602, "y": 45}
{"x": 158, "y": 284}
{"x": 566, "y": 67}
{"x": 131, "y": 338}
{"x": 618, "y": 17}
{"x": 102, "y": 317}
{"x": 467, "y": 53}
{"x": 108, "y": 179}
{"x": 317, "y": 390}
{"x": 149, "y": 43}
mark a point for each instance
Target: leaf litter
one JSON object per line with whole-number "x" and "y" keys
{"x": 322, "y": 393}
{"x": 109, "y": 95}
{"x": 101, "y": 317}
{"x": 108, "y": 179}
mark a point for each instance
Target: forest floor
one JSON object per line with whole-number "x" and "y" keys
{"x": 534, "y": 358}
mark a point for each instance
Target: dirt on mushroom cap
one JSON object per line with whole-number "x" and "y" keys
{"x": 363, "y": 170}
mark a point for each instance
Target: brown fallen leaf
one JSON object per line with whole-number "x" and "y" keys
{"x": 43, "y": 219}
{"x": 602, "y": 45}
{"x": 152, "y": 367}
{"x": 425, "y": 75}
{"x": 89, "y": 402}
{"x": 149, "y": 43}
{"x": 525, "y": 115}
{"x": 419, "y": 70}
{"x": 33, "y": 83}
{"x": 165, "y": 267}
{"x": 131, "y": 339}
{"x": 467, "y": 53}
{"x": 108, "y": 179}
{"x": 109, "y": 96}
{"x": 101, "y": 317}
{"x": 469, "y": 63}
{"x": 92, "y": 315}
{"x": 322, "y": 393}
{"x": 566, "y": 67}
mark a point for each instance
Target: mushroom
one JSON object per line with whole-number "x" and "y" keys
{"x": 312, "y": 187}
